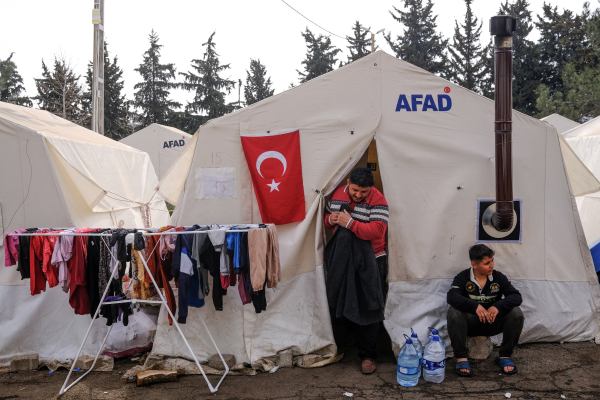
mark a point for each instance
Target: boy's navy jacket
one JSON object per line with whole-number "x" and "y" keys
{"x": 465, "y": 295}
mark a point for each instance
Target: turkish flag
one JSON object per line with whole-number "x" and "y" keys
{"x": 276, "y": 168}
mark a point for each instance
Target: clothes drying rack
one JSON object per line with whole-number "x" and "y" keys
{"x": 163, "y": 301}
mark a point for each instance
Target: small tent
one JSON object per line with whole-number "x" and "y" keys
{"x": 435, "y": 154}
{"x": 162, "y": 143}
{"x": 584, "y": 140}
{"x": 54, "y": 173}
{"x": 562, "y": 124}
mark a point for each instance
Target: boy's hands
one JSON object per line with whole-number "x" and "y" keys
{"x": 488, "y": 315}
{"x": 492, "y": 313}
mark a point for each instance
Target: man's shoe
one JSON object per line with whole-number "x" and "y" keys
{"x": 368, "y": 366}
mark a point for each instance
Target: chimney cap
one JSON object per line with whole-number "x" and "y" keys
{"x": 502, "y": 25}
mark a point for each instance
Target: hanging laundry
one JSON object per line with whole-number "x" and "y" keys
{"x": 50, "y": 270}
{"x": 93, "y": 271}
{"x": 245, "y": 286}
{"x": 104, "y": 267}
{"x": 37, "y": 281}
{"x": 11, "y": 248}
{"x": 210, "y": 259}
{"x": 78, "y": 296}
{"x": 184, "y": 266}
{"x": 264, "y": 257}
{"x": 199, "y": 239}
{"x": 138, "y": 241}
{"x": 114, "y": 312}
{"x": 159, "y": 264}
{"x": 62, "y": 253}
{"x": 167, "y": 242}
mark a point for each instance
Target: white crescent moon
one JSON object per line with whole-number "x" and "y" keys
{"x": 270, "y": 154}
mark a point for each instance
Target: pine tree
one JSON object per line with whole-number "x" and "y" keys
{"x": 526, "y": 59}
{"x": 208, "y": 86}
{"x": 420, "y": 45}
{"x": 257, "y": 87}
{"x": 11, "y": 84}
{"x": 115, "y": 103}
{"x": 152, "y": 95}
{"x": 487, "y": 83}
{"x": 563, "y": 40}
{"x": 60, "y": 93}
{"x": 359, "y": 44}
{"x": 580, "y": 99}
{"x": 467, "y": 58}
{"x": 320, "y": 56}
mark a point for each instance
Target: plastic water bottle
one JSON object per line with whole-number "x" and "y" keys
{"x": 408, "y": 364}
{"x": 434, "y": 360}
{"x": 434, "y": 332}
{"x": 418, "y": 347}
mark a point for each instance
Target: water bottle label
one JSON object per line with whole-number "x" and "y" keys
{"x": 407, "y": 371}
{"x": 432, "y": 366}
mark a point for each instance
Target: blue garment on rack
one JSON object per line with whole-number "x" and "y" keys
{"x": 234, "y": 244}
{"x": 184, "y": 265}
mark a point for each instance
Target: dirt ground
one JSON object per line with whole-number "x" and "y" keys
{"x": 546, "y": 371}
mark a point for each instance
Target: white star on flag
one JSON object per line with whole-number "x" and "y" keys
{"x": 273, "y": 185}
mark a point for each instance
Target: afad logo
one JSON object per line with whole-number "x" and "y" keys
{"x": 419, "y": 102}
{"x": 174, "y": 143}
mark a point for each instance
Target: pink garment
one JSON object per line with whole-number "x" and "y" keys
{"x": 244, "y": 295}
{"x": 11, "y": 248}
{"x": 167, "y": 243}
{"x": 63, "y": 250}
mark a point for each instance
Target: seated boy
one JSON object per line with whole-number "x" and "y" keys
{"x": 477, "y": 308}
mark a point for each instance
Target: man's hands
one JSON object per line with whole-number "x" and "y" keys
{"x": 340, "y": 218}
{"x": 488, "y": 315}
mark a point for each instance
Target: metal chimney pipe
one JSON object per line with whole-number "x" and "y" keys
{"x": 502, "y": 28}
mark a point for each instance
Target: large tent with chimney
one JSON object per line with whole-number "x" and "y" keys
{"x": 54, "y": 173}
{"x": 431, "y": 145}
{"x": 162, "y": 143}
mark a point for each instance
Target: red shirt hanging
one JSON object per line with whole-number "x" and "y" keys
{"x": 276, "y": 168}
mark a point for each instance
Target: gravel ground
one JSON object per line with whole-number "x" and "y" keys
{"x": 546, "y": 371}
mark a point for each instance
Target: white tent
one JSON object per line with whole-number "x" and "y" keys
{"x": 424, "y": 156}
{"x": 585, "y": 142}
{"x": 562, "y": 124}
{"x": 54, "y": 173}
{"x": 162, "y": 143}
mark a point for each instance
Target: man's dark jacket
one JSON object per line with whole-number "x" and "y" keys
{"x": 353, "y": 283}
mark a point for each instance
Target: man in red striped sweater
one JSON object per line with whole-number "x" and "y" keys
{"x": 368, "y": 219}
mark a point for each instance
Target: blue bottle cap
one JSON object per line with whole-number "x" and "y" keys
{"x": 434, "y": 331}
{"x": 408, "y": 339}
{"x": 413, "y": 333}
{"x": 50, "y": 372}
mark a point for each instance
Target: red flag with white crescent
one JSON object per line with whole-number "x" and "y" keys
{"x": 276, "y": 169}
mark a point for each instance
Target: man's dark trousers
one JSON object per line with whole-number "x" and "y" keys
{"x": 462, "y": 324}
{"x": 367, "y": 334}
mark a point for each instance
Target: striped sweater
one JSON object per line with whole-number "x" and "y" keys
{"x": 369, "y": 217}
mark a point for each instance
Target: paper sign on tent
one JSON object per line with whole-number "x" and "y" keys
{"x": 276, "y": 168}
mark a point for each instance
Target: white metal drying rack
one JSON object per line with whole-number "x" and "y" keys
{"x": 163, "y": 301}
